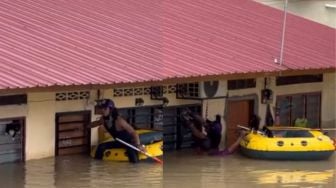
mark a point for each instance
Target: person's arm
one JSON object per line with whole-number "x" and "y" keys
{"x": 124, "y": 125}
{"x": 204, "y": 131}
{"x": 96, "y": 123}
{"x": 196, "y": 132}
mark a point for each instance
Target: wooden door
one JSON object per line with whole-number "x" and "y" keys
{"x": 239, "y": 113}
{"x": 72, "y": 136}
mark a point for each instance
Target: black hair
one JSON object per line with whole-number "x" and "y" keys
{"x": 218, "y": 118}
{"x": 104, "y": 103}
{"x": 114, "y": 112}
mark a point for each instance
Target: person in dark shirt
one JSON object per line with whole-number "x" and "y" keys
{"x": 214, "y": 130}
{"x": 209, "y": 140}
{"x": 118, "y": 128}
{"x": 254, "y": 122}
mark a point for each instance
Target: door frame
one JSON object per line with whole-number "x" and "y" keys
{"x": 57, "y": 114}
{"x": 178, "y": 143}
{"x": 251, "y": 97}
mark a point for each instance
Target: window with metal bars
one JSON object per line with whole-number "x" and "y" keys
{"x": 298, "y": 79}
{"x": 148, "y": 117}
{"x": 188, "y": 90}
{"x": 291, "y": 107}
{"x": 241, "y": 84}
{"x": 13, "y": 99}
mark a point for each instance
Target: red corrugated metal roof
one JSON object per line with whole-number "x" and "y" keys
{"x": 46, "y": 43}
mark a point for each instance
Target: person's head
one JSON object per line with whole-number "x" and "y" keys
{"x": 218, "y": 118}
{"x": 254, "y": 122}
{"x": 186, "y": 116}
{"x": 109, "y": 108}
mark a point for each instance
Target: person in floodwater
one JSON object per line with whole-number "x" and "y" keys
{"x": 118, "y": 128}
{"x": 231, "y": 149}
{"x": 214, "y": 131}
{"x": 253, "y": 125}
{"x": 203, "y": 139}
{"x": 197, "y": 125}
{"x": 254, "y": 122}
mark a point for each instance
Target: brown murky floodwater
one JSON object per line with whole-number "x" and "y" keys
{"x": 186, "y": 170}
{"x": 181, "y": 169}
{"x": 79, "y": 172}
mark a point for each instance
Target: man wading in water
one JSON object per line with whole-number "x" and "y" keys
{"x": 118, "y": 128}
{"x": 203, "y": 140}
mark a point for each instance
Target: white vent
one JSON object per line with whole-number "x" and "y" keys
{"x": 72, "y": 95}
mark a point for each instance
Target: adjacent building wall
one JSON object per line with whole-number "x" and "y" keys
{"x": 315, "y": 10}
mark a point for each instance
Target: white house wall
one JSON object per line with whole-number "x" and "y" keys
{"x": 13, "y": 111}
{"x": 41, "y": 109}
{"x": 327, "y": 89}
{"x": 40, "y": 125}
{"x": 328, "y": 100}
{"x": 40, "y": 117}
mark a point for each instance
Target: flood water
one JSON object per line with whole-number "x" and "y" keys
{"x": 189, "y": 170}
{"x": 79, "y": 172}
{"x": 181, "y": 169}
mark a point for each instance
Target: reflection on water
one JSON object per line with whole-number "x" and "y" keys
{"x": 79, "y": 171}
{"x": 181, "y": 169}
{"x": 293, "y": 177}
{"x": 189, "y": 170}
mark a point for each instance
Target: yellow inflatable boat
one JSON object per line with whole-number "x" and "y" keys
{"x": 153, "y": 141}
{"x": 287, "y": 143}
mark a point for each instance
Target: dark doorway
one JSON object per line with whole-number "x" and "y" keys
{"x": 176, "y": 136}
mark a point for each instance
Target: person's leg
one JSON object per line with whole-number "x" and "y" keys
{"x": 103, "y": 147}
{"x": 206, "y": 144}
{"x": 197, "y": 145}
{"x": 235, "y": 145}
{"x": 133, "y": 156}
{"x": 227, "y": 151}
{"x": 215, "y": 141}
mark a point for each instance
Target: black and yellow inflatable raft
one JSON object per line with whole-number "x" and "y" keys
{"x": 153, "y": 141}
{"x": 287, "y": 143}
